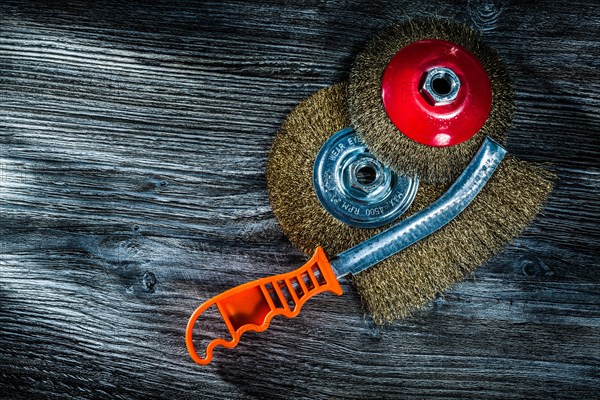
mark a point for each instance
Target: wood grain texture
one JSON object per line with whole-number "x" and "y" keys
{"x": 133, "y": 142}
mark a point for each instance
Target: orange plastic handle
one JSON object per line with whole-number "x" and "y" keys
{"x": 251, "y": 306}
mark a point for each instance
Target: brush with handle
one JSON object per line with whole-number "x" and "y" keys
{"x": 251, "y": 306}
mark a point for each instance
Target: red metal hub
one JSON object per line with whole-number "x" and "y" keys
{"x": 453, "y": 118}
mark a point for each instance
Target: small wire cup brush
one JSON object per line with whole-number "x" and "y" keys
{"x": 424, "y": 94}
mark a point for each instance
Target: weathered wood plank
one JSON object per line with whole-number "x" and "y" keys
{"x": 133, "y": 142}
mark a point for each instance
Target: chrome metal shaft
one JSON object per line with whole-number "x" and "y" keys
{"x": 427, "y": 221}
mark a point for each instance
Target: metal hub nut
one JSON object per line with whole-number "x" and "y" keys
{"x": 366, "y": 174}
{"x": 355, "y": 187}
{"x": 440, "y": 86}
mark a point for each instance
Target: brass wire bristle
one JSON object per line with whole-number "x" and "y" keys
{"x": 411, "y": 278}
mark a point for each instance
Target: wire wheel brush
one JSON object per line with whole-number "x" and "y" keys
{"x": 411, "y": 278}
{"x": 424, "y": 94}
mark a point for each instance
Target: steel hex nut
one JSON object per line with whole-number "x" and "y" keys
{"x": 440, "y": 86}
{"x": 372, "y": 165}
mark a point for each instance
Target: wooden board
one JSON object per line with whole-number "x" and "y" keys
{"x": 133, "y": 142}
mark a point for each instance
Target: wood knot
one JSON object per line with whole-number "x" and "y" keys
{"x": 485, "y": 13}
{"x": 151, "y": 184}
{"x": 149, "y": 281}
{"x": 532, "y": 267}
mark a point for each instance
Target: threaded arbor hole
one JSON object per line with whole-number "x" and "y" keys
{"x": 441, "y": 85}
{"x": 366, "y": 175}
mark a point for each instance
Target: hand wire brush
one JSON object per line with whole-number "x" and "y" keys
{"x": 251, "y": 306}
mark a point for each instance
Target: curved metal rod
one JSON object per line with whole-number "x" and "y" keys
{"x": 425, "y": 222}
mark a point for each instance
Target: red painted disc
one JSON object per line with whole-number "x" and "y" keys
{"x": 415, "y": 115}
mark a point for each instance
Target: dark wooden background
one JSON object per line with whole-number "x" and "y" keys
{"x": 133, "y": 142}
